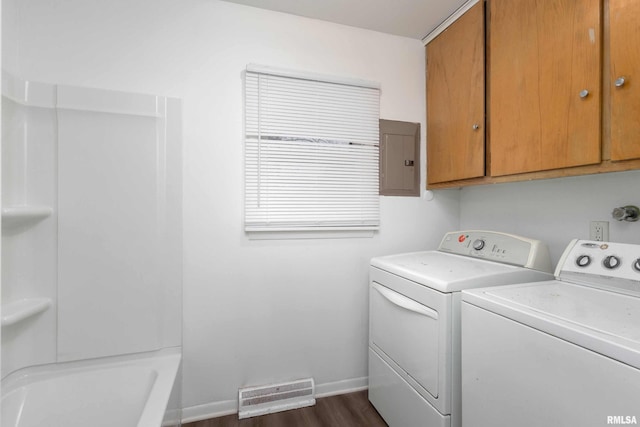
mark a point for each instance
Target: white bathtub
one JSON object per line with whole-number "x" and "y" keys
{"x": 123, "y": 391}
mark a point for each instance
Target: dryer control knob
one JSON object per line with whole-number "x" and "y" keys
{"x": 478, "y": 244}
{"x": 611, "y": 262}
{"x": 636, "y": 265}
{"x": 583, "y": 260}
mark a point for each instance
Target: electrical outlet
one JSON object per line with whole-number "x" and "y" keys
{"x": 599, "y": 231}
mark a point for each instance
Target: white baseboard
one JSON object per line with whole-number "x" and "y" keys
{"x": 342, "y": 387}
{"x": 209, "y": 410}
{"x": 228, "y": 407}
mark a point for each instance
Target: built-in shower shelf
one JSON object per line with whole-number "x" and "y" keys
{"x": 14, "y": 215}
{"x": 17, "y": 311}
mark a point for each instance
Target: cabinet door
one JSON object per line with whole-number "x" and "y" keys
{"x": 544, "y": 84}
{"x": 455, "y": 100}
{"x": 624, "y": 17}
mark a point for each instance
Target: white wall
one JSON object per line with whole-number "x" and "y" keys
{"x": 254, "y": 311}
{"x": 555, "y": 210}
{"x": 1, "y": 130}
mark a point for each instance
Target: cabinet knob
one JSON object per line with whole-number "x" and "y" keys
{"x": 620, "y": 81}
{"x": 476, "y": 126}
{"x": 584, "y": 93}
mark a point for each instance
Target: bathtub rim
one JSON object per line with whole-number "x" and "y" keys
{"x": 165, "y": 363}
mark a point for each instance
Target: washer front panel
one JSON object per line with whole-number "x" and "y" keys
{"x": 515, "y": 375}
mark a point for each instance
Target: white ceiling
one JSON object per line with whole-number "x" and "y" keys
{"x": 408, "y": 18}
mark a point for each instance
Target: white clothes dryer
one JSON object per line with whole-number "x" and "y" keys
{"x": 414, "y": 319}
{"x": 560, "y": 353}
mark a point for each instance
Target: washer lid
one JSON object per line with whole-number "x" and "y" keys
{"x": 449, "y": 273}
{"x": 603, "y": 321}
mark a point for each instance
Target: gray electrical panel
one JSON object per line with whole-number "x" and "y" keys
{"x": 399, "y": 158}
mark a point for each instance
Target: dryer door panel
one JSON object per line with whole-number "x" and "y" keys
{"x": 409, "y": 334}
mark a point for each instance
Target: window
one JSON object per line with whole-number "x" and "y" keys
{"x": 311, "y": 152}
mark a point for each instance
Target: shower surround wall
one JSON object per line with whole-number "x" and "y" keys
{"x": 29, "y": 225}
{"x": 92, "y": 212}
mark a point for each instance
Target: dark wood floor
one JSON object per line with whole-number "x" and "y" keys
{"x": 345, "y": 410}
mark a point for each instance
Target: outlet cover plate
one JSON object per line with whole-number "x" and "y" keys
{"x": 599, "y": 231}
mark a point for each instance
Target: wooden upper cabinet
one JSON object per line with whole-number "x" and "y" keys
{"x": 624, "y": 33}
{"x": 544, "y": 97}
{"x": 455, "y": 100}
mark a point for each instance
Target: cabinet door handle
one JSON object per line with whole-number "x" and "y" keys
{"x": 584, "y": 93}
{"x": 620, "y": 81}
{"x": 475, "y": 126}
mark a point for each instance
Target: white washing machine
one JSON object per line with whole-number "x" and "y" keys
{"x": 560, "y": 353}
{"x": 414, "y": 319}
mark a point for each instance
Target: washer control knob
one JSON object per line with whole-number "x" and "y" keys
{"x": 478, "y": 244}
{"x": 611, "y": 262}
{"x": 636, "y": 265}
{"x": 583, "y": 260}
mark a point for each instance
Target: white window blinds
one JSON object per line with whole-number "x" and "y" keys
{"x": 311, "y": 153}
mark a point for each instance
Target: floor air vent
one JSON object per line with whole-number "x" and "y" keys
{"x": 254, "y": 401}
